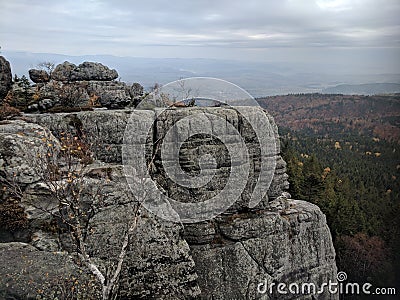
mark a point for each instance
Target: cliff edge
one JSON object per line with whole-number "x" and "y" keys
{"x": 243, "y": 253}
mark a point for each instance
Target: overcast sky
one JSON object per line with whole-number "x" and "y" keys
{"x": 356, "y": 32}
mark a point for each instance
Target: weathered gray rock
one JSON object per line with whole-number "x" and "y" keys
{"x": 46, "y": 104}
{"x": 20, "y": 174}
{"x": 71, "y": 94}
{"x": 158, "y": 263}
{"x": 19, "y": 141}
{"x": 136, "y": 90}
{"x": 50, "y": 90}
{"x": 280, "y": 240}
{"x": 39, "y": 76}
{"x": 244, "y": 250}
{"x": 95, "y": 71}
{"x": 22, "y": 93}
{"x": 103, "y": 130}
{"x": 88, "y": 84}
{"x": 63, "y": 72}
{"x": 67, "y": 72}
{"x": 27, "y": 273}
{"x": 111, "y": 94}
{"x": 5, "y": 77}
{"x": 106, "y": 128}
{"x": 200, "y": 145}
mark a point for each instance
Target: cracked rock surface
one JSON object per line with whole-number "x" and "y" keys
{"x": 268, "y": 246}
{"x": 279, "y": 240}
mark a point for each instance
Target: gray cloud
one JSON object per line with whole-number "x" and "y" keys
{"x": 205, "y": 28}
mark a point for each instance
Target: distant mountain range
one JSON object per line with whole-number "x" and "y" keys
{"x": 258, "y": 78}
{"x": 364, "y": 89}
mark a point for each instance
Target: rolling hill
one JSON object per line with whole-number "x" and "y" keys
{"x": 332, "y": 114}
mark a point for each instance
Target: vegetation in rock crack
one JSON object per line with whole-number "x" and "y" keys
{"x": 63, "y": 167}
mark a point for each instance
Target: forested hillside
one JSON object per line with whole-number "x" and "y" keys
{"x": 377, "y": 116}
{"x": 343, "y": 155}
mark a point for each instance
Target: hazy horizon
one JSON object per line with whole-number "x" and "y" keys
{"x": 259, "y": 79}
{"x": 268, "y": 47}
{"x": 355, "y": 36}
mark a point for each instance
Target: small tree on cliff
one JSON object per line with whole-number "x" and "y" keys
{"x": 64, "y": 167}
{"x": 47, "y": 66}
{"x": 65, "y": 175}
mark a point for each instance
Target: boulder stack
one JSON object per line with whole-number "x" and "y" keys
{"x": 89, "y": 84}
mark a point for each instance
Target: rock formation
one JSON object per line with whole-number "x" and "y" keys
{"x": 39, "y": 76}
{"x": 280, "y": 240}
{"x": 5, "y": 77}
{"x": 157, "y": 251}
{"x": 87, "y": 85}
{"x": 67, "y": 72}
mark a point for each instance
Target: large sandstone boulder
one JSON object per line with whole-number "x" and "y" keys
{"x": 67, "y": 72}
{"x": 111, "y": 94}
{"x": 64, "y": 72}
{"x": 95, "y": 71}
{"x": 5, "y": 77}
{"x": 39, "y": 76}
